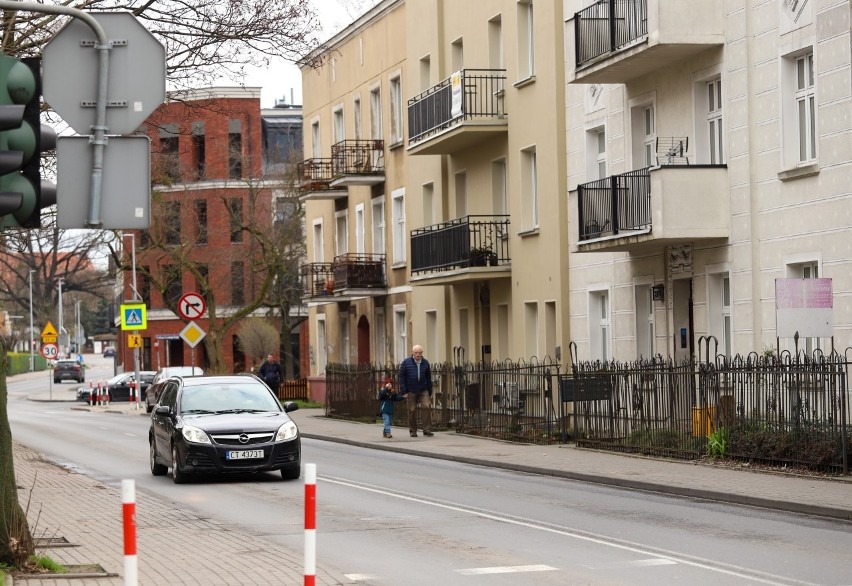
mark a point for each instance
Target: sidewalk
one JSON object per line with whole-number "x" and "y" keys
{"x": 66, "y": 500}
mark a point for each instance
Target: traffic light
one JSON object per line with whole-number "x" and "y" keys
{"x": 22, "y": 140}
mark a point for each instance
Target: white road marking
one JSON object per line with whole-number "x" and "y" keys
{"x": 757, "y": 577}
{"x": 505, "y": 570}
{"x": 361, "y": 577}
{"x": 636, "y": 564}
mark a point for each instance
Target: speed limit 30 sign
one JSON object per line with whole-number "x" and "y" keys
{"x": 50, "y": 351}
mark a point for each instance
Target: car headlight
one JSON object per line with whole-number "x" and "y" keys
{"x": 287, "y": 432}
{"x": 195, "y": 435}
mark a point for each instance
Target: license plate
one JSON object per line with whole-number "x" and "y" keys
{"x": 244, "y": 455}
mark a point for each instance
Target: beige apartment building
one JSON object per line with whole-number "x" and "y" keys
{"x": 709, "y": 154}
{"x": 353, "y": 184}
{"x": 487, "y": 178}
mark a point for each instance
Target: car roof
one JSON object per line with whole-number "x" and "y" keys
{"x": 221, "y": 379}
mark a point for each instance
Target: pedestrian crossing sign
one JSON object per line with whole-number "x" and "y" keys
{"x": 134, "y": 316}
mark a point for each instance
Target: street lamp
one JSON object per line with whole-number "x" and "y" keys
{"x": 32, "y": 355}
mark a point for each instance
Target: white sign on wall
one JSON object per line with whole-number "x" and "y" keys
{"x": 805, "y": 306}
{"x": 456, "y": 95}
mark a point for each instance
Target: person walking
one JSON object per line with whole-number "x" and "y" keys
{"x": 270, "y": 372}
{"x": 415, "y": 384}
{"x": 388, "y": 396}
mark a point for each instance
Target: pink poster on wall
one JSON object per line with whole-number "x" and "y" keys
{"x": 805, "y": 306}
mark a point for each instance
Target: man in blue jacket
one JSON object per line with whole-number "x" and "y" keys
{"x": 415, "y": 384}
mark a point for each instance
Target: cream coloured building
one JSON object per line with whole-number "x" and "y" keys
{"x": 709, "y": 154}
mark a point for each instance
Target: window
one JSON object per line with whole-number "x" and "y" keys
{"x": 432, "y": 331}
{"x": 531, "y": 328}
{"x": 400, "y": 333}
{"x": 201, "y": 221}
{"x": 461, "y": 194}
{"x": 644, "y": 314}
{"x": 529, "y": 188}
{"x": 199, "y": 148}
{"x": 457, "y": 55}
{"x": 499, "y": 195}
{"x": 650, "y": 137}
{"x": 715, "y": 136}
{"x": 599, "y": 343}
{"x": 316, "y": 146}
{"x": 806, "y": 107}
{"x": 376, "y": 113}
{"x": 428, "y": 204}
{"x": 526, "y": 40}
{"x": 171, "y": 222}
{"x": 169, "y": 154}
{"x": 322, "y": 345}
{"x": 495, "y": 43}
{"x": 237, "y": 283}
{"x": 378, "y": 209}
{"x": 172, "y": 285}
{"x": 399, "y": 235}
{"x": 319, "y": 254}
{"x": 359, "y": 229}
{"x": 341, "y": 233}
{"x": 235, "y": 213}
{"x": 356, "y": 113}
{"x": 643, "y": 132}
{"x": 596, "y": 153}
{"x": 235, "y": 149}
{"x": 339, "y": 127}
{"x": 396, "y": 109}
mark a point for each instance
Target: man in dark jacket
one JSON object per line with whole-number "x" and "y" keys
{"x": 270, "y": 372}
{"x": 415, "y": 384}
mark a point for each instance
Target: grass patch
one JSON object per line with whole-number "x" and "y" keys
{"x": 45, "y": 563}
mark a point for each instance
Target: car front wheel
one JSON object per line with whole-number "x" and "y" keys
{"x": 178, "y": 476}
{"x": 291, "y": 473}
{"x": 157, "y": 469}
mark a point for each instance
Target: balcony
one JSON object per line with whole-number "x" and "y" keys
{"x": 646, "y": 209}
{"x": 357, "y": 162}
{"x": 315, "y": 176}
{"x": 317, "y": 281}
{"x": 464, "y": 249}
{"x": 462, "y": 110}
{"x": 359, "y": 275}
{"x": 618, "y": 40}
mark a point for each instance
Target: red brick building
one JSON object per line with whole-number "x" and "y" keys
{"x": 209, "y": 194}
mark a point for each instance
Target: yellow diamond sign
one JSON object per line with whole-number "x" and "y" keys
{"x": 192, "y": 334}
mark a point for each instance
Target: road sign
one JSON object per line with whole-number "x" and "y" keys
{"x": 134, "y": 341}
{"x": 125, "y": 183}
{"x": 192, "y": 334}
{"x": 134, "y": 316}
{"x": 49, "y": 334}
{"x": 136, "y": 84}
{"x": 191, "y": 306}
{"x": 50, "y": 351}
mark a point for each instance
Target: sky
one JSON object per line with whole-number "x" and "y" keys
{"x": 282, "y": 77}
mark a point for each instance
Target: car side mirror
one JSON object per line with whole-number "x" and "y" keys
{"x": 290, "y": 406}
{"x": 163, "y": 410}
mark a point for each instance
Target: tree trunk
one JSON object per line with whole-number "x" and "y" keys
{"x": 215, "y": 355}
{"x": 16, "y": 542}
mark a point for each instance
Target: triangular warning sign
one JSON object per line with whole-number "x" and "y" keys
{"x": 134, "y": 318}
{"x": 49, "y": 330}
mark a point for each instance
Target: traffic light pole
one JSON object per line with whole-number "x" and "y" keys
{"x": 100, "y": 129}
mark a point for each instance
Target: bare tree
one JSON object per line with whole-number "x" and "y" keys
{"x": 258, "y": 338}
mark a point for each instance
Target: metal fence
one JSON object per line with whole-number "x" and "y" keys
{"x": 464, "y": 242}
{"x": 614, "y": 204}
{"x": 608, "y": 25}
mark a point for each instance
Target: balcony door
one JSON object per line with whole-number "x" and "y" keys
{"x": 363, "y": 340}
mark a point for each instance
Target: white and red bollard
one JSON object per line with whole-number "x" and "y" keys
{"x": 128, "y": 508}
{"x": 310, "y": 524}
{"x": 93, "y": 398}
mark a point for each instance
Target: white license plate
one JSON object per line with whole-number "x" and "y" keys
{"x": 244, "y": 455}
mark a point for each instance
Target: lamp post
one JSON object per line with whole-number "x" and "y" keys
{"x": 32, "y": 355}
{"x": 135, "y": 298}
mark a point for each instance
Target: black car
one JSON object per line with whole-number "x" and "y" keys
{"x": 68, "y": 369}
{"x": 219, "y": 424}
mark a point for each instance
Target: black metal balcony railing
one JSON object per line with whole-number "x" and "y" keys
{"x": 476, "y": 93}
{"x": 608, "y": 25}
{"x": 359, "y": 271}
{"x": 615, "y": 204}
{"x": 314, "y": 174}
{"x": 317, "y": 279}
{"x": 358, "y": 157}
{"x": 461, "y": 243}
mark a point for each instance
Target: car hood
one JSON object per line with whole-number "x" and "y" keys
{"x": 247, "y": 422}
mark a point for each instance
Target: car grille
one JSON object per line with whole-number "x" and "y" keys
{"x": 234, "y": 439}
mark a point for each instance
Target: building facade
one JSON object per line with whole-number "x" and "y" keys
{"x": 709, "y": 154}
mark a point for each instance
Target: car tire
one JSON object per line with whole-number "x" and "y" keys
{"x": 56, "y": 381}
{"x": 149, "y": 408}
{"x": 178, "y": 476}
{"x": 157, "y": 469}
{"x": 291, "y": 473}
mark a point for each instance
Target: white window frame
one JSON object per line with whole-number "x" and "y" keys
{"x": 356, "y": 114}
{"x": 600, "y": 324}
{"x": 526, "y": 40}
{"x": 719, "y": 307}
{"x": 316, "y": 139}
{"x": 715, "y": 127}
{"x": 341, "y": 232}
{"x": 319, "y": 245}
{"x": 339, "y": 124}
{"x": 400, "y": 332}
{"x": 376, "y": 112}
{"x": 595, "y": 158}
{"x": 529, "y": 187}
{"x": 806, "y": 129}
{"x": 805, "y": 266}
{"x": 644, "y": 311}
{"x": 793, "y": 101}
{"x": 457, "y": 54}
{"x": 395, "y": 88}
{"x": 398, "y": 226}
{"x": 643, "y": 139}
{"x": 378, "y": 222}
{"x": 360, "y": 227}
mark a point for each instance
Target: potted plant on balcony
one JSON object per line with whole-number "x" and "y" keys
{"x": 483, "y": 256}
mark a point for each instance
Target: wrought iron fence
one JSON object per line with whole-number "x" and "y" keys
{"x": 614, "y": 204}
{"x": 317, "y": 279}
{"x": 314, "y": 174}
{"x": 608, "y": 25}
{"x": 359, "y": 271}
{"x": 358, "y": 157}
{"x": 464, "y": 242}
{"x": 471, "y": 93}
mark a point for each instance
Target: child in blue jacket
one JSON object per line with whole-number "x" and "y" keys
{"x": 388, "y": 396}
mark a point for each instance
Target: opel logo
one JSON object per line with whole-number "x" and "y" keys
{"x": 244, "y": 438}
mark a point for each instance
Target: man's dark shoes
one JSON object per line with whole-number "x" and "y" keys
{"x": 413, "y": 434}
{"x": 428, "y": 433}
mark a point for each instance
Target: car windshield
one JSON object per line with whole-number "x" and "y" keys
{"x": 227, "y": 398}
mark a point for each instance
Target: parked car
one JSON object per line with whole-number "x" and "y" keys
{"x": 220, "y": 424}
{"x": 65, "y": 369}
{"x": 152, "y": 393}
{"x": 118, "y": 387}
{"x": 109, "y": 351}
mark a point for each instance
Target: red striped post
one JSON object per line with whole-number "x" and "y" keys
{"x": 310, "y": 524}
{"x": 128, "y": 506}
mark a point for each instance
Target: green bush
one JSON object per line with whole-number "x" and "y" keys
{"x": 19, "y": 363}
{"x": 717, "y": 443}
